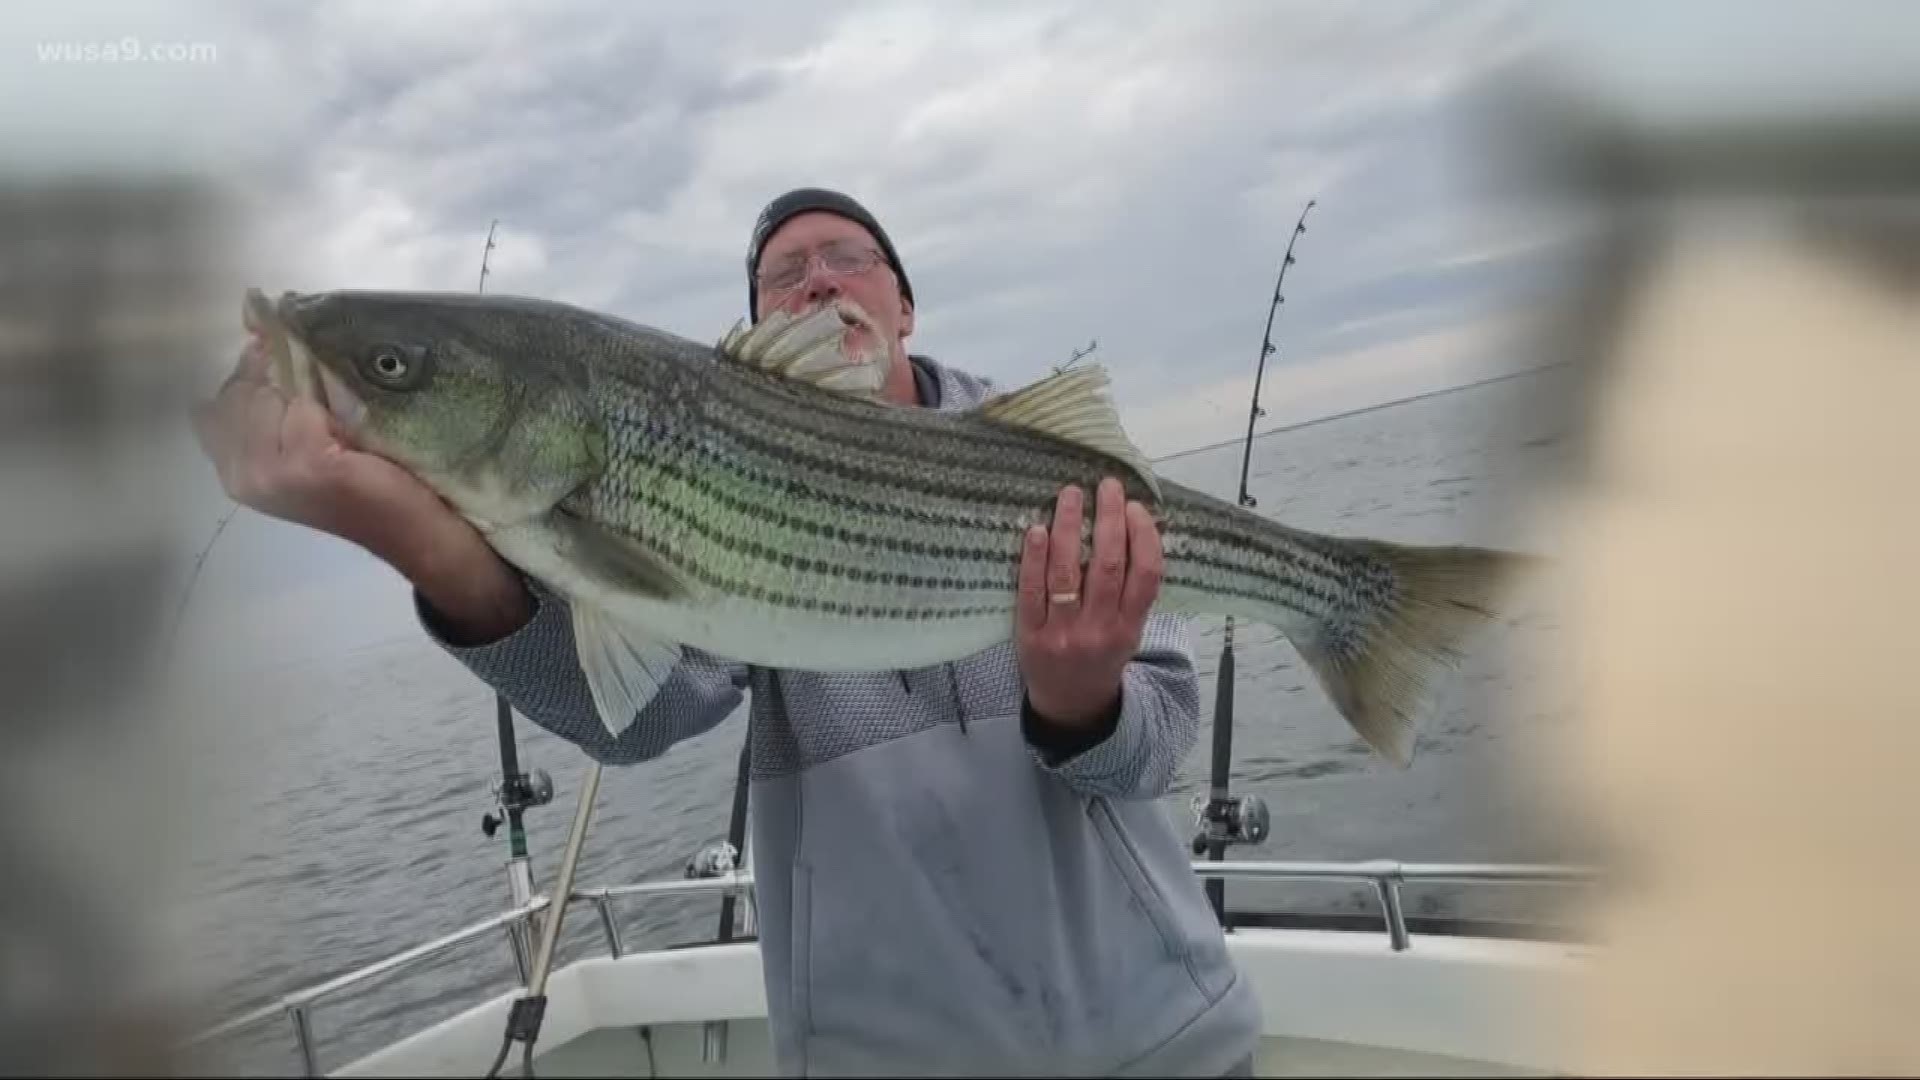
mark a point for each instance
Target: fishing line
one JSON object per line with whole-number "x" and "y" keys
{"x": 193, "y": 579}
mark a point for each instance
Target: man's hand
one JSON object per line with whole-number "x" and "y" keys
{"x": 286, "y": 458}
{"x": 1074, "y": 638}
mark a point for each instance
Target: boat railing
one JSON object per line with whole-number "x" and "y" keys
{"x": 1386, "y": 876}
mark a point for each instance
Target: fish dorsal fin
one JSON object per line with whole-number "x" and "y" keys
{"x": 808, "y": 348}
{"x": 1072, "y": 406}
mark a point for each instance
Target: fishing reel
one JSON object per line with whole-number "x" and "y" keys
{"x": 1237, "y": 819}
{"x": 521, "y": 792}
{"x": 717, "y": 858}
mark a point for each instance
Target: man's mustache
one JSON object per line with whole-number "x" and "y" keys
{"x": 852, "y": 314}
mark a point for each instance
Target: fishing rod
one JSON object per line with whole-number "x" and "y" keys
{"x": 523, "y": 1020}
{"x": 1224, "y": 818}
{"x": 516, "y": 790}
{"x": 730, "y": 857}
{"x": 1078, "y": 355}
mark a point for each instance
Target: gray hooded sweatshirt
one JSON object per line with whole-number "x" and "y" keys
{"x": 943, "y": 888}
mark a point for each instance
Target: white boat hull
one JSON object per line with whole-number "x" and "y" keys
{"x": 1334, "y": 1003}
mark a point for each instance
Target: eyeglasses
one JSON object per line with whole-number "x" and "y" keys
{"x": 840, "y": 257}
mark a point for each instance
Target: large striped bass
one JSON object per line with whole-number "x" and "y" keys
{"x": 757, "y": 500}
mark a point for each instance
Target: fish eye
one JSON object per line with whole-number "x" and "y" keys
{"x": 393, "y": 366}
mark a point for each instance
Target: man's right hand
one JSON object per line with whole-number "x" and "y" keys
{"x": 286, "y": 458}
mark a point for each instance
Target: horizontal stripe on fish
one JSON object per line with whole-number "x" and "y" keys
{"x": 722, "y": 556}
{"x": 837, "y": 524}
{"x": 858, "y": 427}
{"x": 827, "y": 477}
{"x": 944, "y": 436}
{"x": 763, "y": 550}
{"x": 996, "y": 483}
{"x": 741, "y": 539}
{"x": 876, "y": 450}
{"x": 968, "y": 492}
{"x": 1283, "y": 569}
{"x": 838, "y": 555}
{"x": 1246, "y": 569}
{"x": 1256, "y": 564}
{"x": 756, "y": 485}
{"x": 832, "y": 432}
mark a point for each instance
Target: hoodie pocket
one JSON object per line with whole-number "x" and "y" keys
{"x": 1126, "y": 861}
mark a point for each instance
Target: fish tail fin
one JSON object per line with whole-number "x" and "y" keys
{"x": 1380, "y": 666}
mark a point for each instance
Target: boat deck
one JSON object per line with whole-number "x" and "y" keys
{"x": 676, "y": 1050}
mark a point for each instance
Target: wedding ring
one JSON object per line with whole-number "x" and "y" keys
{"x": 1066, "y": 597}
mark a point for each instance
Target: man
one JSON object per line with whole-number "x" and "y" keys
{"x": 961, "y": 869}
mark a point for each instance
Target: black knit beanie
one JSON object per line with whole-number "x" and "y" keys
{"x": 801, "y": 200}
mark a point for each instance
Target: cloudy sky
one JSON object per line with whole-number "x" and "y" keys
{"x": 1052, "y": 173}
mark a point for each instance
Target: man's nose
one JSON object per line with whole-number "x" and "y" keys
{"x": 819, "y": 284}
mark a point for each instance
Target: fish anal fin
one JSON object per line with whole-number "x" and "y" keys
{"x": 1072, "y": 406}
{"x": 812, "y": 349}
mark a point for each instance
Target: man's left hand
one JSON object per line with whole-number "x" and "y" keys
{"x": 1075, "y": 638}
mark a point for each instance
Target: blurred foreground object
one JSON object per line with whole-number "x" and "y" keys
{"x": 1743, "y": 559}
{"x": 105, "y": 315}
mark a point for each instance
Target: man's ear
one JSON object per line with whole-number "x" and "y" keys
{"x": 906, "y": 316}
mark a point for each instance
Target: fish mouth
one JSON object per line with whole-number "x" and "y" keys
{"x": 292, "y": 368}
{"x": 855, "y": 316}
{"x": 861, "y": 340}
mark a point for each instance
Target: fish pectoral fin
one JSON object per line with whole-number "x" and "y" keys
{"x": 624, "y": 666}
{"x": 614, "y": 560}
{"x": 1072, "y": 406}
{"x": 811, "y": 349}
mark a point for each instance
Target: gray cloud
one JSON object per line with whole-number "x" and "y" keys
{"x": 1126, "y": 171}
